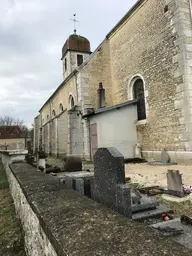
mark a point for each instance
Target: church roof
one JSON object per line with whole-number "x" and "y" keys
{"x": 76, "y": 43}
{"x": 109, "y": 108}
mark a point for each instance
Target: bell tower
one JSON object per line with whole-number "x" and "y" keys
{"x": 75, "y": 51}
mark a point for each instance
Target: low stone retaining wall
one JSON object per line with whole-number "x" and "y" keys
{"x": 59, "y": 221}
{"x": 180, "y": 157}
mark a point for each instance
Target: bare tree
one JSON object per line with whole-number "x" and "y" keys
{"x": 9, "y": 120}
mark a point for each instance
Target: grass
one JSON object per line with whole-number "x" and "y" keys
{"x": 11, "y": 239}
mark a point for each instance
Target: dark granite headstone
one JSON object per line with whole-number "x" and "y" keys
{"x": 109, "y": 171}
{"x": 78, "y": 185}
{"x": 124, "y": 200}
{"x": 79, "y": 181}
{"x": 174, "y": 183}
{"x": 109, "y": 181}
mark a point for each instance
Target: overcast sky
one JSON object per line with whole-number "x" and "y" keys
{"x": 32, "y": 33}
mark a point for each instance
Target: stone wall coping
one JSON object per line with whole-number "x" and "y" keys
{"x": 169, "y": 152}
{"x": 14, "y": 152}
{"x": 76, "y": 225}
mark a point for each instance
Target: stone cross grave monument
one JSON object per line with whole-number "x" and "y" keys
{"x": 108, "y": 185}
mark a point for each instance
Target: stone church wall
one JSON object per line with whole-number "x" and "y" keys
{"x": 97, "y": 70}
{"x": 62, "y": 96}
{"x": 147, "y": 44}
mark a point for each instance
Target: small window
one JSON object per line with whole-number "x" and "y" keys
{"x": 61, "y": 107}
{"x": 79, "y": 59}
{"x": 71, "y": 102}
{"x": 166, "y": 9}
{"x": 47, "y": 117}
{"x": 65, "y": 64}
{"x": 53, "y": 113}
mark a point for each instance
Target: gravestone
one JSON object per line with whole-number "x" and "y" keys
{"x": 165, "y": 157}
{"x": 109, "y": 186}
{"x": 174, "y": 183}
{"x": 72, "y": 164}
{"x": 78, "y": 185}
{"x": 79, "y": 181}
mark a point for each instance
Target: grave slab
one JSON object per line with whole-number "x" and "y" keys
{"x": 150, "y": 213}
{"x": 185, "y": 238}
{"x": 82, "y": 174}
{"x": 175, "y": 199}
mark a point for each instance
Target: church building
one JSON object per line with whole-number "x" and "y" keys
{"x": 135, "y": 88}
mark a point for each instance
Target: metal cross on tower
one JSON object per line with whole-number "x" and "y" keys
{"x": 74, "y": 20}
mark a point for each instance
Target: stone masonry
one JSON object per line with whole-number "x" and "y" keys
{"x": 153, "y": 46}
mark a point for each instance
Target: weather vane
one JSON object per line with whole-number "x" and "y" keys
{"x": 74, "y": 20}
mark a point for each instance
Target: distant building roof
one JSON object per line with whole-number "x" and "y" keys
{"x": 10, "y": 132}
{"x": 76, "y": 43}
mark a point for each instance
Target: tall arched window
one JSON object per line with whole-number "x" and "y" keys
{"x": 47, "y": 117}
{"x": 71, "y": 102}
{"x": 61, "y": 109}
{"x": 138, "y": 93}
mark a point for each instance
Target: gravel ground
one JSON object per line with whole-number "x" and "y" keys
{"x": 147, "y": 175}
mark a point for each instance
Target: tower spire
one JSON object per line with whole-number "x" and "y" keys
{"x": 75, "y": 21}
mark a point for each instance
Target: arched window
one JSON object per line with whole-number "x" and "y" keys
{"x": 71, "y": 102}
{"x": 47, "y": 117}
{"x": 138, "y": 93}
{"x": 53, "y": 113}
{"x": 61, "y": 109}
